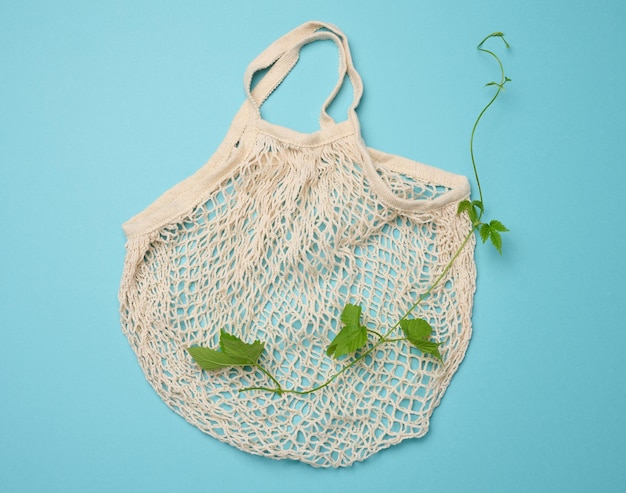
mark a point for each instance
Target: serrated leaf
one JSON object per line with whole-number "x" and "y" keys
{"x": 430, "y": 347}
{"x": 416, "y": 329}
{"x": 210, "y": 359}
{"x": 234, "y": 346}
{"x": 497, "y": 226}
{"x": 418, "y": 332}
{"x": 496, "y": 239}
{"x": 478, "y": 204}
{"x": 234, "y": 352}
{"x": 485, "y": 232}
{"x": 471, "y": 208}
{"x": 464, "y": 205}
{"x": 347, "y": 341}
{"x": 351, "y": 337}
{"x": 473, "y": 215}
{"x": 351, "y": 315}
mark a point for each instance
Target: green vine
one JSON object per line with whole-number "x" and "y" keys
{"x": 353, "y": 335}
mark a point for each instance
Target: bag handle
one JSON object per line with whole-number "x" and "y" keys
{"x": 282, "y": 55}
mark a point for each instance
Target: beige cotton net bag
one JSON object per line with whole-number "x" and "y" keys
{"x": 269, "y": 240}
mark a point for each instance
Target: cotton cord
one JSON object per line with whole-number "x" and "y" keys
{"x": 288, "y": 232}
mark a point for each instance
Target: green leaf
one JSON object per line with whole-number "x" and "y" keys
{"x": 210, "y": 359}
{"x": 464, "y": 205}
{"x": 471, "y": 208}
{"x": 478, "y": 204}
{"x": 351, "y": 315}
{"x": 496, "y": 240}
{"x": 416, "y": 329}
{"x": 351, "y": 337}
{"x": 348, "y": 340}
{"x": 418, "y": 332}
{"x": 485, "y": 232}
{"x": 234, "y": 346}
{"x": 234, "y": 352}
{"x": 473, "y": 215}
{"x": 492, "y": 232}
{"x": 430, "y": 347}
{"x": 496, "y": 225}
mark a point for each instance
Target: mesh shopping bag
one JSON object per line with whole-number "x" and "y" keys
{"x": 268, "y": 241}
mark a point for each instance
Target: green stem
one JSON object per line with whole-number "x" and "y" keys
{"x": 265, "y": 389}
{"x": 435, "y": 284}
{"x": 378, "y": 334}
{"x": 503, "y": 80}
{"x": 383, "y": 337}
{"x": 279, "y": 389}
{"x": 381, "y": 341}
{"x": 333, "y": 377}
{"x": 343, "y": 370}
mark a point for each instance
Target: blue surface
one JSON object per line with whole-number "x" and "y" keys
{"x": 105, "y": 105}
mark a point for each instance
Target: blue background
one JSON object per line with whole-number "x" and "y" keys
{"x": 105, "y": 105}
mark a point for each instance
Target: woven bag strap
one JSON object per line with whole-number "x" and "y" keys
{"x": 279, "y": 59}
{"x": 282, "y": 55}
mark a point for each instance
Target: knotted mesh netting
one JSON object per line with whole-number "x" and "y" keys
{"x": 273, "y": 251}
